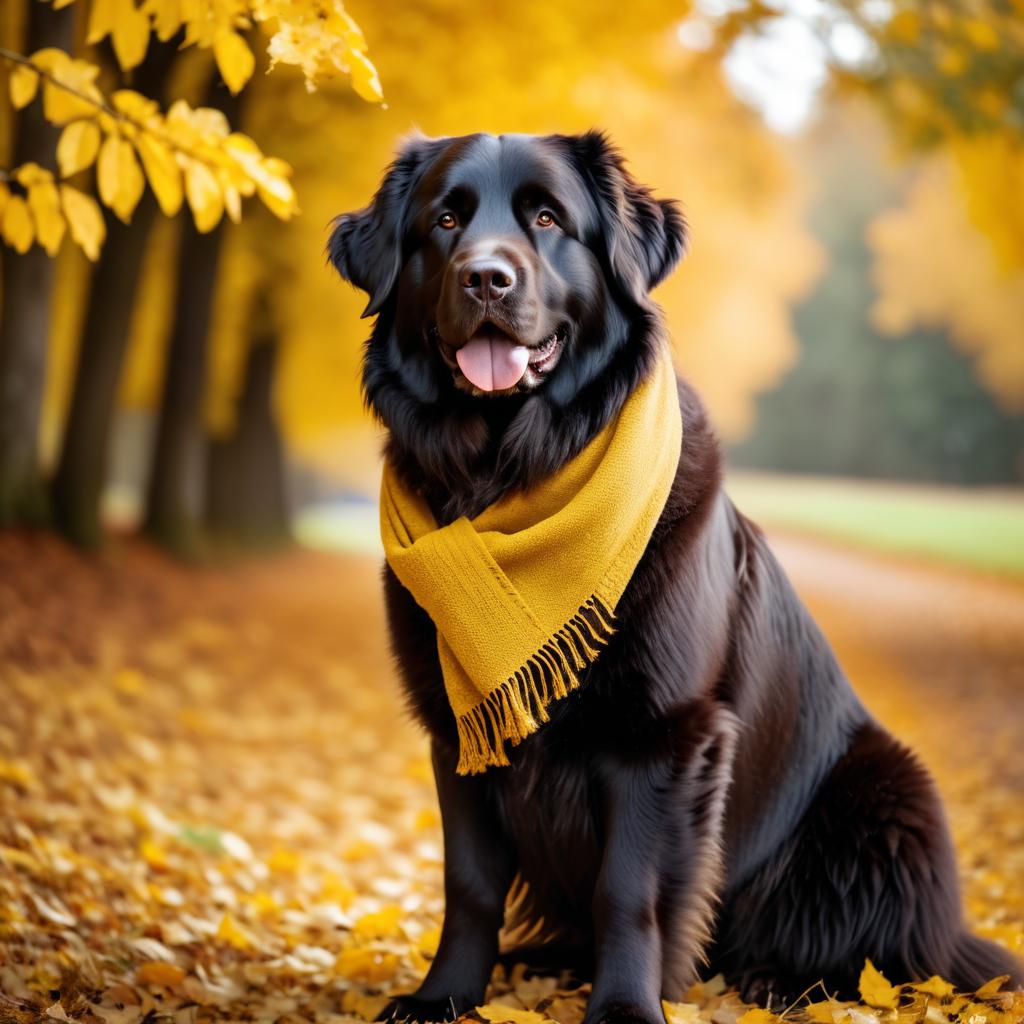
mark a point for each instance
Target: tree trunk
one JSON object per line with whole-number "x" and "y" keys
{"x": 82, "y": 467}
{"x": 246, "y": 501}
{"x": 25, "y": 311}
{"x": 174, "y": 495}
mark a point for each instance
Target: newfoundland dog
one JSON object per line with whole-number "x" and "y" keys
{"x": 714, "y": 797}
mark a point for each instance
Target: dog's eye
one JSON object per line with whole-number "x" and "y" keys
{"x": 447, "y": 221}
{"x": 545, "y": 219}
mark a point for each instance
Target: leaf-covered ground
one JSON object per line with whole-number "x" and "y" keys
{"x": 212, "y": 806}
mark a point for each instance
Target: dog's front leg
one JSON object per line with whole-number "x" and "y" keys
{"x": 660, "y": 869}
{"x": 478, "y": 870}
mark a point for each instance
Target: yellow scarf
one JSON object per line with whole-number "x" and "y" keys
{"x": 524, "y": 595}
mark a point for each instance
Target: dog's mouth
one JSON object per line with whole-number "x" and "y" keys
{"x": 492, "y": 361}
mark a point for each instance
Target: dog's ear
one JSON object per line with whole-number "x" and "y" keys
{"x": 366, "y": 246}
{"x": 644, "y": 237}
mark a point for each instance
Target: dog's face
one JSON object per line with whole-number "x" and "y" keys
{"x": 500, "y": 264}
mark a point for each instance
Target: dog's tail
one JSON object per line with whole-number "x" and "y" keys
{"x": 977, "y": 960}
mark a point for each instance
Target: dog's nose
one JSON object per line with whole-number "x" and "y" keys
{"x": 488, "y": 279}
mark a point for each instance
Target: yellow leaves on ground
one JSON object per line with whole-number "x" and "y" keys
{"x": 85, "y": 222}
{"x": 77, "y": 147}
{"x": 119, "y": 177}
{"x": 234, "y": 59}
{"x": 150, "y": 871}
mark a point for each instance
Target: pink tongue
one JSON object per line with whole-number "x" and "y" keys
{"x": 493, "y": 363}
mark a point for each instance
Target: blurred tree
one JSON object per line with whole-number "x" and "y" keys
{"x": 857, "y": 403}
{"x": 929, "y": 237}
{"x": 949, "y": 77}
{"x": 246, "y": 500}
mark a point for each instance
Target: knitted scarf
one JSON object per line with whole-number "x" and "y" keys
{"x": 524, "y": 595}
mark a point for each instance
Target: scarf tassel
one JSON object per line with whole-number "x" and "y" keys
{"x": 518, "y": 707}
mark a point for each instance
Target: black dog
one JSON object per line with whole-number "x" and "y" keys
{"x": 714, "y": 797}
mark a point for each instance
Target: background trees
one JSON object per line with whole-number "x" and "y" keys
{"x": 168, "y": 347}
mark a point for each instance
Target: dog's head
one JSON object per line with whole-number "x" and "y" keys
{"x": 515, "y": 267}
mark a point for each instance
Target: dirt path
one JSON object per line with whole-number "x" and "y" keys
{"x": 212, "y": 806}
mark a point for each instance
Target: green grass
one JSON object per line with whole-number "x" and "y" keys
{"x": 981, "y": 528}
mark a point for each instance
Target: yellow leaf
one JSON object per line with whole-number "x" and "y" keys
{"x": 758, "y": 1016}
{"x": 44, "y": 202}
{"x": 680, "y": 1013}
{"x": 365, "y": 80}
{"x": 5, "y": 194}
{"x": 335, "y": 890}
{"x": 130, "y": 34}
{"x": 157, "y": 973}
{"x": 130, "y": 681}
{"x": 991, "y": 988}
{"x": 934, "y": 986}
{"x": 426, "y": 819}
{"x": 31, "y": 174}
{"x": 102, "y": 18}
{"x": 875, "y": 989}
{"x": 80, "y": 98}
{"x": 234, "y": 58}
{"x": 371, "y": 965}
{"x": 284, "y": 861}
{"x": 383, "y": 924}
{"x": 152, "y": 854}
{"x": 134, "y": 104}
{"x": 17, "y": 225}
{"x": 429, "y": 941}
{"x": 79, "y": 143}
{"x": 204, "y": 196}
{"x": 233, "y": 934}
{"x": 498, "y": 1014}
{"x": 163, "y": 172}
{"x": 16, "y": 771}
{"x": 85, "y": 222}
{"x": 167, "y": 16}
{"x": 119, "y": 177}
{"x": 23, "y": 85}
{"x": 823, "y": 1012}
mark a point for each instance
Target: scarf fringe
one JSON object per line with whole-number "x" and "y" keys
{"x": 518, "y": 707}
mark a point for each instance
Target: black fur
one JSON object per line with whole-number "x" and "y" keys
{"x": 714, "y": 797}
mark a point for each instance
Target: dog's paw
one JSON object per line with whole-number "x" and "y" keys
{"x": 624, "y": 1013}
{"x": 424, "y": 1011}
